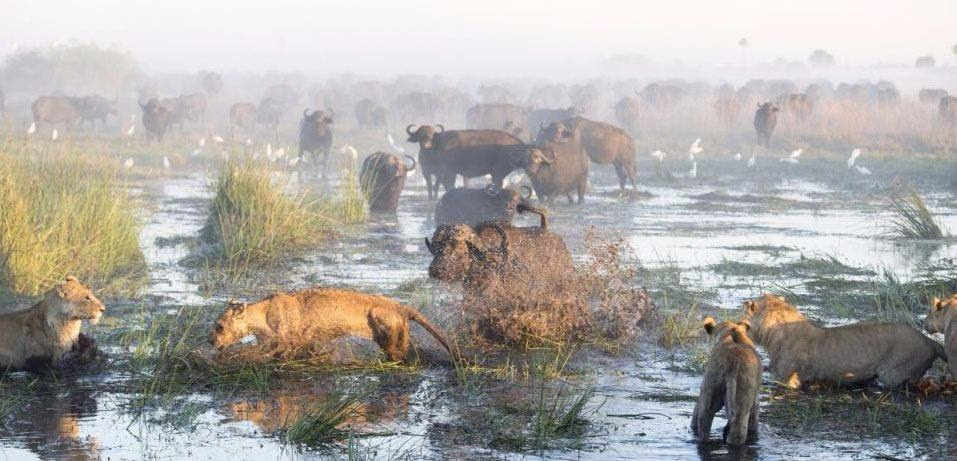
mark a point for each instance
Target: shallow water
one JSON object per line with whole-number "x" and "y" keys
{"x": 646, "y": 394}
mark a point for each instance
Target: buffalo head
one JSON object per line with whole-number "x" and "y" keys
{"x": 424, "y": 135}
{"x": 455, "y": 247}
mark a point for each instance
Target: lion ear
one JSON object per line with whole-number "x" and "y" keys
{"x": 70, "y": 278}
{"x": 745, "y": 324}
{"x": 937, "y": 303}
{"x": 749, "y": 306}
{"x": 708, "y": 325}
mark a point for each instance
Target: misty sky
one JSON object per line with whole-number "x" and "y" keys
{"x": 490, "y": 37}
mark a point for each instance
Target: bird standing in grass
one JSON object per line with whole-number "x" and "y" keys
{"x": 55, "y": 135}
{"x": 853, "y": 158}
{"x": 128, "y": 163}
{"x": 32, "y": 129}
{"x": 694, "y": 149}
{"x": 694, "y": 170}
{"x": 752, "y": 161}
{"x": 166, "y": 163}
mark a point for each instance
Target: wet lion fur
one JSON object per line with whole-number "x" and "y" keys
{"x": 854, "y": 354}
{"x": 943, "y": 319}
{"x": 47, "y": 332}
{"x": 303, "y": 318}
{"x": 732, "y": 380}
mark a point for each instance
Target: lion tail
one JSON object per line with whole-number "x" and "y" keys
{"x": 436, "y": 332}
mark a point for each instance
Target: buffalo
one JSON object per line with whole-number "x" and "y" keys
{"x": 55, "y": 110}
{"x": 242, "y": 118}
{"x": 156, "y": 119}
{"x": 541, "y": 117}
{"x": 605, "y": 144}
{"x": 888, "y": 98}
{"x": 269, "y": 114}
{"x": 417, "y": 104}
{"x": 211, "y": 82}
{"x": 382, "y": 178}
{"x": 626, "y": 112}
{"x": 474, "y": 206}
{"x": 315, "y": 135}
{"x": 433, "y": 143}
{"x": 494, "y": 116}
{"x": 496, "y": 160}
{"x": 931, "y": 95}
{"x": 566, "y": 173}
{"x": 948, "y": 109}
{"x": 186, "y": 108}
{"x": 478, "y": 255}
{"x": 369, "y": 114}
{"x": 283, "y": 94}
{"x": 94, "y": 107}
{"x": 765, "y": 119}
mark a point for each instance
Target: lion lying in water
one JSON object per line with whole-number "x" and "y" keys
{"x": 943, "y": 319}
{"x": 849, "y": 354}
{"x": 49, "y": 332}
{"x": 302, "y": 318}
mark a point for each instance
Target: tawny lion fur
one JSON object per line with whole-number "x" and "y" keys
{"x": 732, "y": 380}
{"x": 306, "y": 317}
{"x": 46, "y": 332}
{"x": 943, "y": 319}
{"x": 849, "y": 354}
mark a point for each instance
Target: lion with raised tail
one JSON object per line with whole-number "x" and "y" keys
{"x": 303, "y": 318}
{"x": 46, "y": 333}
{"x": 732, "y": 380}
{"x": 943, "y": 319}
{"x": 854, "y": 354}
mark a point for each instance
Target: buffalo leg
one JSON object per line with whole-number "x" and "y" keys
{"x": 620, "y": 171}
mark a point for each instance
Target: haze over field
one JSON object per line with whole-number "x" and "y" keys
{"x": 493, "y": 38}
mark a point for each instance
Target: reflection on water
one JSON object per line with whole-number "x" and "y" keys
{"x": 647, "y": 398}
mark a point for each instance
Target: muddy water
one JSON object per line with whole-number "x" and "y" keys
{"x": 644, "y": 396}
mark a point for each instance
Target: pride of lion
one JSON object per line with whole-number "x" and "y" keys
{"x": 48, "y": 335}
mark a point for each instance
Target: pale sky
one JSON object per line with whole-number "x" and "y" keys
{"x": 490, "y": 37}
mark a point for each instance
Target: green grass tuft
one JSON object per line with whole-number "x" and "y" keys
{"x": 61, "y": 214}
{"x": 913, "y": 219}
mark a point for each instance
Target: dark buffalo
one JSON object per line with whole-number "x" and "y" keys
{"x": 888, "y": 98}
{"x": 605, "y": 144}
{"x": 542, "y": 117}
{"x": 55, "y": 110}
{"x": 948, "y": 109}
{"x": 93, "y": 108}
{"x": 494, "y": 116}
{"x": 382, "y": 178}
{"x": 156, "y": 119}
{"x": 496, "y": 160}
{"x": 627, "y": 112}
{"x": 192, "y": 108}
{"x": 433, "y": 143}
{"x": 211, "y": 82}
{"x": 567, "y": 173}
{"x": 931, "y": 95}
{"x": 518, "y": 131}
{"x": 765, "y": 119}
{"x": 477, "y": 255}
{"x": 269, "y": 114}
{"x": 661, "y": 96}
{"x": 369, "y": 114}
{"x": 242, "y": 118}
{"x": 414, "y": 105}
{"x": 315, "y": 135}
{"x": 473, "y": 206}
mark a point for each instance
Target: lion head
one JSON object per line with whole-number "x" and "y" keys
{"x": 720, "y": 332}
{"x": 71, "y": 300}
{"x": 768, "y": 312}
{"x": 230, "y": 327}
{"x": 936, "y": 321}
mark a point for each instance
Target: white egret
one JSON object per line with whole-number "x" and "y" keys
{"x": 793, "y": 157}
{"x": 853, "y": 158}
{"x": 33, "y": 128}
{"x": 128, "y": 163}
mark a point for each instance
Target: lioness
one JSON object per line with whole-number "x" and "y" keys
{"x": 732, "y": 379}
{"x": 849, "y": 354}
{"x": 943, "y": 319}
{"x": 46, "y": 332}
{"x": 304, "y": 317}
